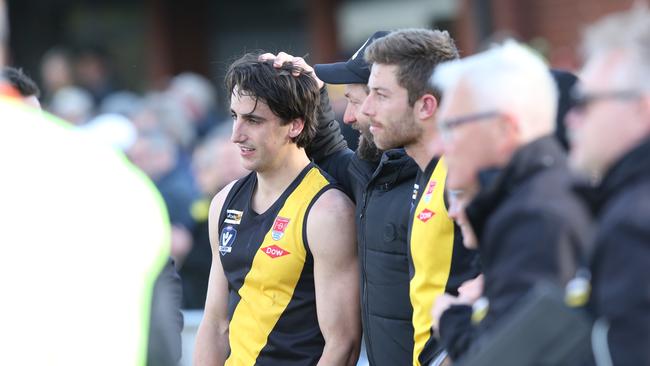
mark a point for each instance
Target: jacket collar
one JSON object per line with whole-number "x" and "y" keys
{"x": 631, "y": 167}
{"x": 394, "y": 167}
{"x": 497, "y": 184}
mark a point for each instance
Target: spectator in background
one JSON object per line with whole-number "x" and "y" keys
{"x": 610, "y": 130}
{"x": 72, "y": 104}
{"x": 93, "y": 72}
{"x": 67, "y": 303}
{"x": 160, "y": 111}
{"x": 197, "y": 96}
{"x": 24, "y": 84}
{"x": 496, "y": 123}
{"x": 122, "y": 102}
{"x": 215, "y": 163}
{"x": 155, "y": 153}
{"x": 56, "y": 72}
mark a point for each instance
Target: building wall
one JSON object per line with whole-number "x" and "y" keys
{"x": 552, "y": 26}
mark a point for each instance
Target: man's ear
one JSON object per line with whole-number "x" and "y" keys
{"x": 426, "y": 107}
{"x": 295, "y": 127}
{"x": 510, "y": 131}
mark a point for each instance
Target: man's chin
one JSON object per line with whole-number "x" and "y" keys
{"x": 367, "y": 150}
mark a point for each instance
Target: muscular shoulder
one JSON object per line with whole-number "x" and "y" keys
{"x": 330, "y": 204}
{"x": 331, "y": 221}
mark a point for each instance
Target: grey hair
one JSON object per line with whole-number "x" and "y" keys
{"x": 509, "y": 78}
{"x": 629, "y": 32}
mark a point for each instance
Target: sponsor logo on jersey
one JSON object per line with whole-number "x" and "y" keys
{"x": 233, "y": 217}
{"x": 279, "y": 226}
{"x": 429, "y": 192}
{"x": 425, "y": 215}
{"x": 227, "y": 239}
{"x": 274, "y": 251}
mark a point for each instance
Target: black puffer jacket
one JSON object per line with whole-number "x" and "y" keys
{"x": 531, "y": 227}
{"x": 382, "y": 192}
{"x": 620, "y": 263}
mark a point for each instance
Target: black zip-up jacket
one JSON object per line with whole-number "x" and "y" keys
{"x": 382, "y": 192}
{"x": 620, "y": 262}
{"x": 531, "y": 227}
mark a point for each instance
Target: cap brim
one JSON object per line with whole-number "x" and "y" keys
{"x": 337, "y": 73}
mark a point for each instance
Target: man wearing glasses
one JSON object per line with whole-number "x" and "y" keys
{"x": 496, "y": 123}
{"x": 610, "y": 132}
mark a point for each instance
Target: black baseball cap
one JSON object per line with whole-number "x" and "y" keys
{"x": 354, "y": 71}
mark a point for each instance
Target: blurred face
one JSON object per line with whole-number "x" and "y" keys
{"x": 262, "y": 141}
{"x": 468, "y": 147}
{"x": 458, "y": 201}
{"x": 215, "y": 165}
{"x": 610, "y": 122}
{"x": 392, "y": 121}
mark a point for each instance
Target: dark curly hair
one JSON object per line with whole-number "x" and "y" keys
{"x": 288, "y": 96}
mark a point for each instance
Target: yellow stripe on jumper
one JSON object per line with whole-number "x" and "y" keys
{"x": 431, "y": 246}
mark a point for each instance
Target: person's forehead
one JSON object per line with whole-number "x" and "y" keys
{"x": 356, "y": 90}
{"x": 243, "y": 103}
{"x": 601, "y": 69}
{"x": 383, "y": 73}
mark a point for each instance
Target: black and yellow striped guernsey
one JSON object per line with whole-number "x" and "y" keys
{"x": 438, "y": 261}
{"x": 269, "y": 268}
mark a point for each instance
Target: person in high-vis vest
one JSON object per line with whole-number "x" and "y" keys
{"x": 283, "y": 286}
{"x": 402, "y": 111}
{"x": 84, "y": 236}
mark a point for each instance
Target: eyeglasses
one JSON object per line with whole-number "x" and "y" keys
{"x": 447, "y": 125}
{"x": 579, "y": 100}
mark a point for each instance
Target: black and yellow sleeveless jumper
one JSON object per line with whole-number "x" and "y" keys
{"x": 438, "y": 260}
{"x": 270, "y": 274}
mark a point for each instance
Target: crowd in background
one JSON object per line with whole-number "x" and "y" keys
{"x": 174, "y": 135}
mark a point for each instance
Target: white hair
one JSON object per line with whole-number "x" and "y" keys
{"x": 627, "y": 31}
{"x": 507, "y": 78}
{"x": 196, "y": 88}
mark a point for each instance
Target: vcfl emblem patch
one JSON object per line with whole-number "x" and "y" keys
{"x": 274, "y": 251}
{"x": 228, "y": 235}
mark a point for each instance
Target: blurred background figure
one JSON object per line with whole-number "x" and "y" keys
{"x": 56, "y": 72}
{"x": 93, "y": 72}
{"x": 27, "y": 88}
{"x": 610, "y": 145}
{"x": 155, "y": 153}
{"x": 111, "y": 129}
{"x": 72, "y": 104}
{"x": 215, "y": 163}
{"x": 198, "y": 99}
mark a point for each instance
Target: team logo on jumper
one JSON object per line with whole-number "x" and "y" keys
{"x": 233, "y": 217}
{"x": 274, "y": 251}
{"x": 279, "y": 226}
{"x": 425, "y": 215}
{"x": 429, "y": 192}
{"x": 227, "y": 239}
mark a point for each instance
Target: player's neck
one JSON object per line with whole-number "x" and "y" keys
{"x": 424, "y": 149}
{"x": 273, "y": 181}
